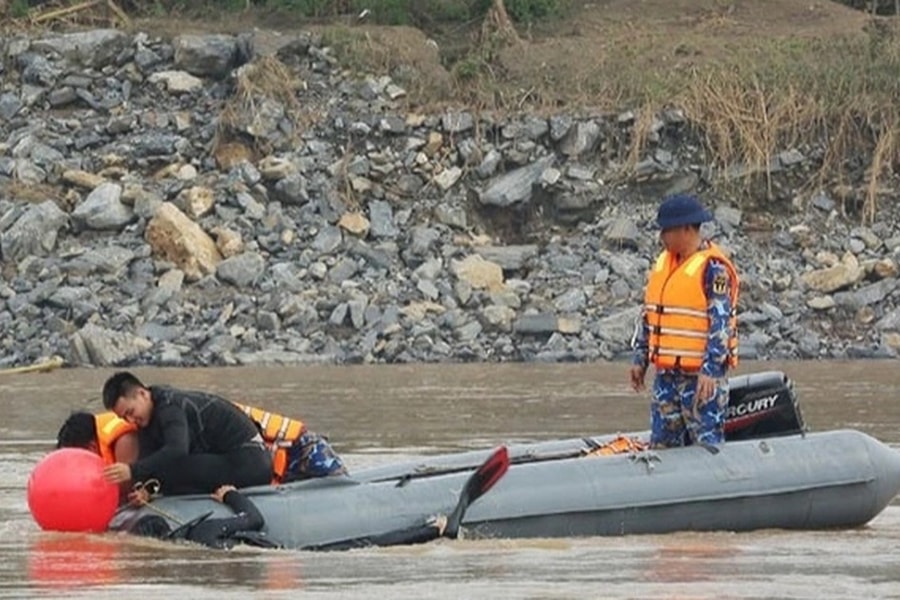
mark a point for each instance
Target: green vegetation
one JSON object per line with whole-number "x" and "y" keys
{"x": 18, "y": 8}
{"x": 880, "y": 7}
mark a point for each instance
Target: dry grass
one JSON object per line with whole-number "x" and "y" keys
{"x": 36, "y": 193}
{"x": 62, "y": 15}
{"x": 837, "y": 94}
{"x": 883, "y": 158}
{"x": 406, "y": 54}
{"x": 263, "y": 88}
{"x": 754, "y": 79}
{"x": 752, "y": 84}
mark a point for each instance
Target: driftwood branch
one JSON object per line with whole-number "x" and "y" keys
{"x": 49, "y": 364}
{"x": 62, "y": 12}
{"x": 59, "y": 13}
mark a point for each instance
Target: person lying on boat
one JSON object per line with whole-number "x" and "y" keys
{"x": 190, "y": 441}
{"x": 222, "y": 533}
{"x": 114, "y": 439}
{"x": 297, "y": 453}
{"x": 247, "y": 523}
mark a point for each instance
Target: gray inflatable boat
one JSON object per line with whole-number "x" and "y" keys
{"x": 770, "y": 473}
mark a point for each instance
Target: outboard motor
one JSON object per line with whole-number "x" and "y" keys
{"x": 762, "y": 405}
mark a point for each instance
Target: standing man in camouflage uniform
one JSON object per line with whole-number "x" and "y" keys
{"x": 687, "y": 330}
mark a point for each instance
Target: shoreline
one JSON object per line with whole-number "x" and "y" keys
{"x": 187, "y": 202}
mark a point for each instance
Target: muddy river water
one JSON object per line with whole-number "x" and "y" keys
{"x": 383, "y": 413}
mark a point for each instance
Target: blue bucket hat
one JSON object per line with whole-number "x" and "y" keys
{"x": 681, "y": 209}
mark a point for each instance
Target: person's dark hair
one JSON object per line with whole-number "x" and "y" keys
{"x": 120, "y": 384}
{"x": 152, "y": 526}
{"x": 78, "y": 431}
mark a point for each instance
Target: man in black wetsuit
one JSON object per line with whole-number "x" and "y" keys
{"x": 192, "y": 442}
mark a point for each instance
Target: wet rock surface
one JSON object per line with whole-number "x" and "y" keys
{"x": 189, "y": 201}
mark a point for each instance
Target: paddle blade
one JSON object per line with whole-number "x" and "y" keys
{"x": 488, "y": 474}
{"x": 482, "y": 480}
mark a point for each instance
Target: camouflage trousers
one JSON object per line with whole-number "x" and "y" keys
{"x": 312, "y": 456}
{"x": 676, "y": 420}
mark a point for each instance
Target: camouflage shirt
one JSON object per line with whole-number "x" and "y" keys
{"x": 717, "y": 286}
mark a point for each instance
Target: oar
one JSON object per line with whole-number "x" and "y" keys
{"x": 403, "y": 479}
{"x": 480, "y": 482}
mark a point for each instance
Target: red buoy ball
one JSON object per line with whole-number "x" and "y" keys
{"x": 67, "y": 492}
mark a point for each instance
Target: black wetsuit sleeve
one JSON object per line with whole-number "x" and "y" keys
{"x": 171, "y": 421}
{"x": 246, "y": 511}
{"x": 216, "y": 533}
{"x": 418, "y": 534}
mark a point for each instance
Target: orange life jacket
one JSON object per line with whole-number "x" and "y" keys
{"x": 676, "y": 310}
{"x": 109, "y": 429}
{"x": 279, "y": 433}
{"x": 619, "y": 445}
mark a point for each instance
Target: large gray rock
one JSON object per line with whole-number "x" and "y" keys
{"x": 381, "y": 217}
{"x": 285, "y": 277}
{"x": 68, "y": 296}
{"x": 282, "y": 357}
{"x": 422, "y": 240}
{"x": 10, "y": 104}
{"x": 242, "y": 270}
{"x": 95, "y": 48}
{"x": 157, "y": 143}
{"x": 580, "y": 139}
{"x": 623, "y": 233}
{"x": 457, "y": 122}
{"x": 103, "y": 209}
{"x": 34, "y": 233}
{"x": 570, "y": 301}
{"x": 618, "y": 328}
{"x": 890, "y": 321}
{"x": 110, "y": 260}
{"x": 101, "y": 347}
{"x": 510, "y": 258}
{"x": 515, "y": 187}
{"x": 866, "y": 295}
{"x": 328, "y": 239}
{"x": 206, "y": 55}
{"x": 536, "y": 324}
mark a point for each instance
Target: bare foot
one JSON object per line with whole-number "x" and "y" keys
{"x": 439, "y": 522}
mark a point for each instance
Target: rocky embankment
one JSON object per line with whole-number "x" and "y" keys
{"x": 191, "y": 202}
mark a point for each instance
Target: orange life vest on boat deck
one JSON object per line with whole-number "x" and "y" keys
{"x": 620, "y": 445}
{"x": 278, "y": 432}
{"x": 676, "y": 310}
{"x": 109, "y": 429}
